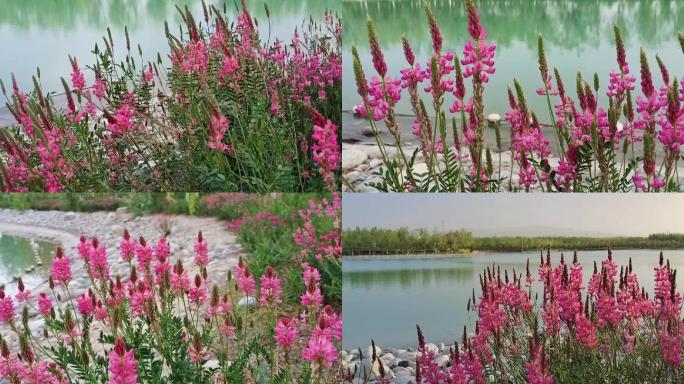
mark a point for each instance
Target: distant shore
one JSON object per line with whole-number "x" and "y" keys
{"x": 481, "y": 252}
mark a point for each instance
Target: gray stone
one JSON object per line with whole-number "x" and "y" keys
{"x": 247, "y": 301}
{"x": 374, "y": 163}
{"x": 429, "y": 347}
{"x": 405, "y": 380}
{"x": 367, "y": 131}
{"x": 352, "y": 158}
{"x": 442, "y": 360}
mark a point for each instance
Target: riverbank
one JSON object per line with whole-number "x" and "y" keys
{"x": 361, "y": 164}
{"x": 65, "y": 229}
{"x": 411, "y": 256}
{"x": 484, "y": 252}
{"x": 399, "y": 364}
{"x": 402, "y": 242}
{"x": 362, "y": 160}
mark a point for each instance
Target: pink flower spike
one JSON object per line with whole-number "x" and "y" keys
{"x": 286, "y": 332}
{"x": 61, "y": 269}
{"x": 6, "y": 308}
{"x": 122, "y": 364}
{"x": 320, "y": 351}
{"x": 201, "y": 251}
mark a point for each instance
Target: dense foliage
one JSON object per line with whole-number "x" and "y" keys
{"x": 166, "y": 322}
{"x": 361, "y": 241}
{"x": 232, "y": 113}
{"x": 596, "y": 144}
{"x": 605, "y": 330}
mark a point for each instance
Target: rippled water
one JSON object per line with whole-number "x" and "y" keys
{"x": 385, "y": 299}
{"x": 18, "y": 253}
{"x": 578, "y": 37}
{"x": 42, "y": 33}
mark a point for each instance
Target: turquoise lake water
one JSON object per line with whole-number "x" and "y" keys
{"x": 42, "y": 33}
{"x": 18, "y": 253}
{"x": 385, "y": 299}
{"x": 578, "y": 37}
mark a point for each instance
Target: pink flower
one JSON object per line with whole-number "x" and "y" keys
{"x": 178, "y": 280}
{"x": 149, "y": 74}
{"x": 99, "y": 266}
{"x": 320, "y": 351}
{"x": 198, "y": 353}
{"x": 671, "y": 348}
{"x": 122, "y": 364}
{"x": 44, "y": 304}
{"x": 23, "y": 294}
{"x": 230, "y": 66}
{"x": 585, "y": 331}
{"x": 219, "y": 126}
{"x": 61, "y": 269}
{"x": 198, "y": 293}
{"x": 127, "y": 247}
{"x": 311, "y": 273}
{"x": 6, "y": 308}
{"x": 608, "y": 313}
{"x": 144, "y": 254}
{"x": 325, "y": 148}
{"x": 478, "y": 58}
{"x": 270, "y": 288}
{"x": 537, "y": 369}
{"x": 201, "y": 251}
{"x": 77, "y": 78}
{"x": 227, "y": 329}
{"x": 100, "y": 87}
{"x": 244, "y": 278}
{"x": 312, "y": 297}
{"x": 85, "y": 304}
{"x": 194, "y": 60}
{"x": 286, "y": 332}
{"x": 122, "y": 122}
{"x": 100, "y": 311}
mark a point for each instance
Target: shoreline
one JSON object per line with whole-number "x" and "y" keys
{"x": 399, "y": 363}
{"x": 482, "y": 252}
{"x": 65, "y": 229}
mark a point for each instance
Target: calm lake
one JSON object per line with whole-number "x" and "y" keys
{"x": 385, "y": 299}
{"x": 578, "y": 37}
{"x": 17, "y": 254}
{"x": 42, "y": 33}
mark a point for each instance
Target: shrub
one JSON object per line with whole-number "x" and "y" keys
{"x": 607, "y": 331}
{"x": 161, "y": 324}
{"x": 231, "y": 113}
{"x": 287, "y": 237}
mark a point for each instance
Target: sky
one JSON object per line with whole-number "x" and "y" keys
{"x": 519, "y": 214}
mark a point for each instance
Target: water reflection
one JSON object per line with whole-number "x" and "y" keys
{"x": 18, "y": 253}
{"x": 567, "y": 24}
{"x": 578, "y": 34}
{"x": 405, "y": 278}
{"x": 65, "y": 15}
{"x": 41, "y": 33}
{"x": 384, "y": 299}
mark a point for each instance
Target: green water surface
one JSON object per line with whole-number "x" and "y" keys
{"x": 578, "y": 37}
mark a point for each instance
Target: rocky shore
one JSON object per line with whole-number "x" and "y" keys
{"x": 361, "y": 164}
{"x": 65, "y": 228}
{"x": 399, "y": 363}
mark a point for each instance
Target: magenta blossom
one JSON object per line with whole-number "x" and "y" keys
{"x": 122, "y": 364}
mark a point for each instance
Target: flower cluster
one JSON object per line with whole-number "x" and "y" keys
{"x": 595, "y": 147}
{"x": 573, "y": 329}
{"x": 159, "y": 308}
{"x": 226, "y": 97}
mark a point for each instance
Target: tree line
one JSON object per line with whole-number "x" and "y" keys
{"x": 362, "y": 241}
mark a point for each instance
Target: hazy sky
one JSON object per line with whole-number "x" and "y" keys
{"x": 613, "y": 214}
